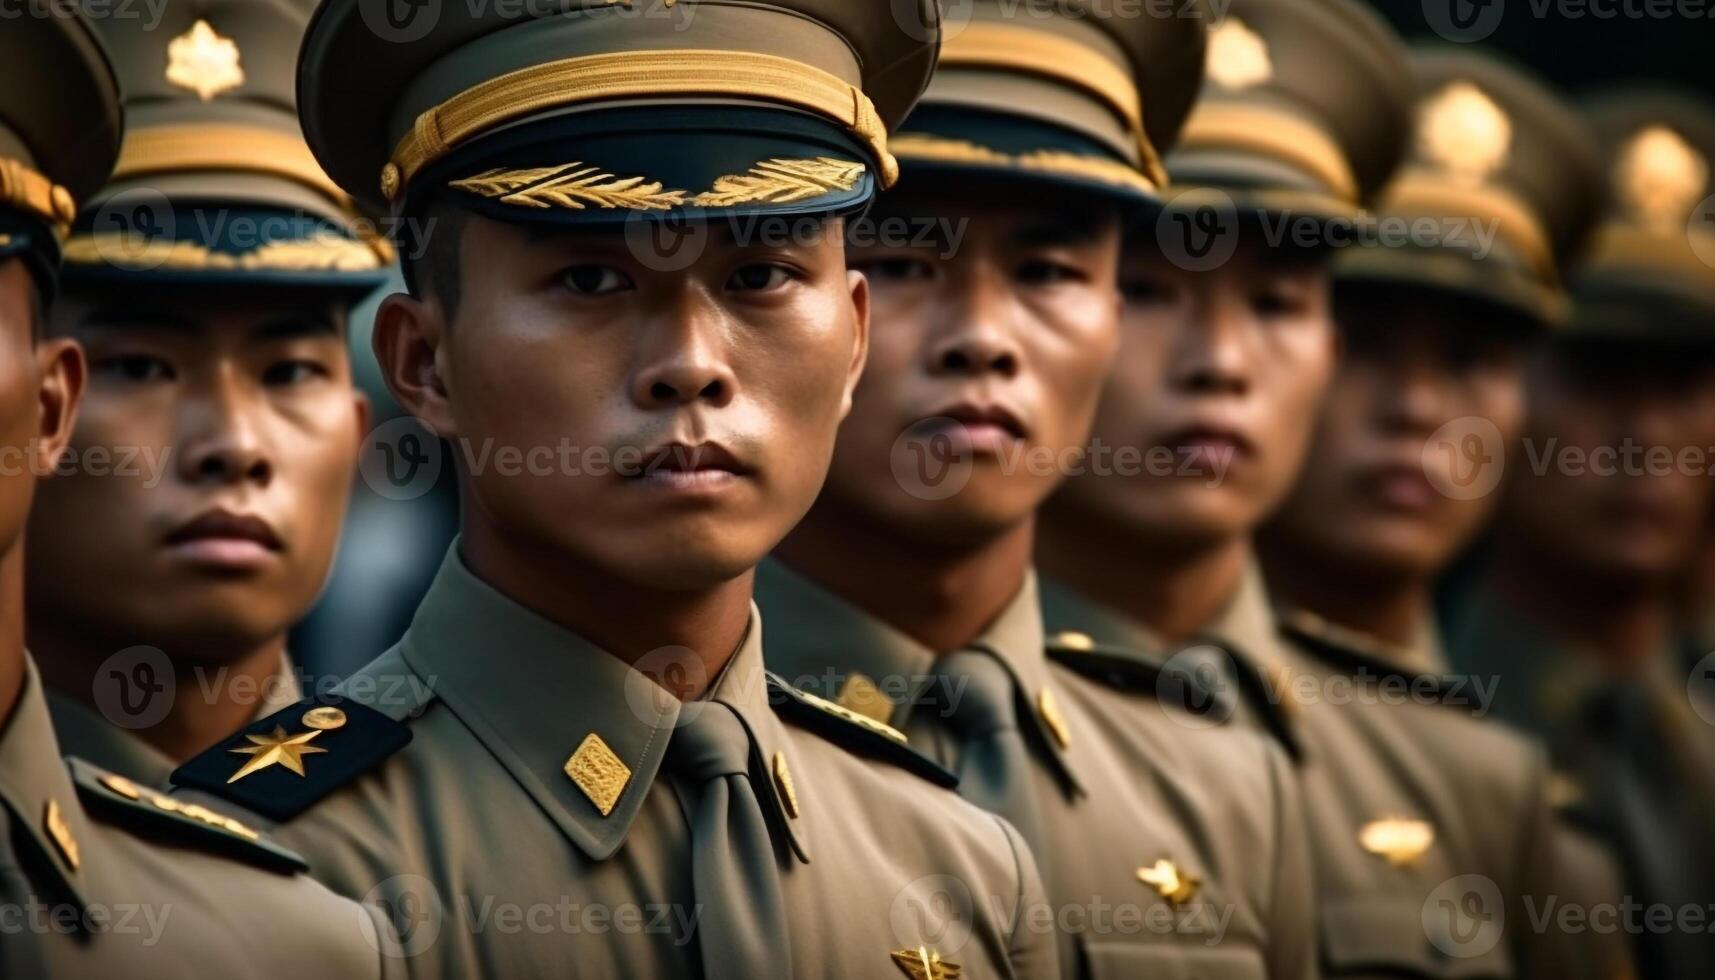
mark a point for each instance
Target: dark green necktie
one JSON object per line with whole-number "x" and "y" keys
{"x": 20, "y": 949}
{"x": 996, "y": 768}
{"x": 742, "y": 930}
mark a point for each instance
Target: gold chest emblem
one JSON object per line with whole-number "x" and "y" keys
{"x": 1238, "y": 56}
{"x": 1398, "y": 840}
{"x": 1169, "y": 882}
{"x": 924, "y": 963}
{"x": 1659, "y": 177}
{"x": 1462, "y": 131}
{"x": 201, "y": 61}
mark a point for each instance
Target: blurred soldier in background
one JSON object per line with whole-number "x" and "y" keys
{"x": 210, "y": 283}
{"x": 1575, "y": 611}
{"x": 907, "y": 593}
{"x": 101, "y": 877}
{"x": 1409, "y": 793}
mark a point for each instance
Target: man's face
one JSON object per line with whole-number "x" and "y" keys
{"x": 1213, "y": 394}
{"x": 663, "y": 427}
{"x": 1367, "y": 498}
{"x": 212, "y": 464}
{"x": 39, "y": 385}
{"x": 987, "y": 358}
{"x": 1615, "y": 481}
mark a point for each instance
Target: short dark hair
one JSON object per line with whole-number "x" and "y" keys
{"x": 430, "y": 256}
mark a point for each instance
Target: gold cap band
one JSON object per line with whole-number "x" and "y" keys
{"x": 921, "y": 146}
{"x": 1419, "y": 192}
{"x": 319, "y": 253}
{"x": 1272, "y": 133}
{"x": 1064, "y": 60}
{"x": 27, "y": 190}
{"x": 633, "y": 74}
{"x": 178, "y": 149}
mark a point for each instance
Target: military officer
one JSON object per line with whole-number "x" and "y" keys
{"x": 209, "y": 283}
{"x": 1409, "y": 793}
{"x": 98, "y": 875}
{"x": 632, "y": 260}
{"x": 907, "y": 592}
{"x": 1575, "y": 611}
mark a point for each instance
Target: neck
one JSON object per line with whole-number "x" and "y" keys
{"x": 1390, "y": 607}
{"x": 943, "y": 596}
{"x": 625, "y": 620}
{"x": 1620, "y": 623}
{"x": 11, "y": 631}
{"x": 1177, "y": 592}
{"x": 214, "y": 692}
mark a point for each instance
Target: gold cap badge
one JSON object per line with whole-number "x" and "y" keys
{"x": 1169, "y": 882}
{"x": 1464, "y": 132}
{"x": 1238, "y": 56}
{"x": 1659, "y": 177}
{"x": 1401, "y": 841}
{"x": 203, "y": 62}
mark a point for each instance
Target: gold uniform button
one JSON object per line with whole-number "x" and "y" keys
{"x": 60, "y": 833}
{"x": 1074, "y": 640}
{"x": 326, "y": 718}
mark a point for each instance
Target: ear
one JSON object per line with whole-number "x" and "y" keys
{"x": 60, "y": 365}
{"x": 407, "y": 341}
{"x": 860, "y": 336}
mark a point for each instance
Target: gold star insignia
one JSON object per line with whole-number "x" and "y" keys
{"x": 1401, "y": 842}
{"x": 276, "y": 749}
{"x": 924, "y": 963}
{"x": 1169, "y": 882}
{"x": 203, "y": 62}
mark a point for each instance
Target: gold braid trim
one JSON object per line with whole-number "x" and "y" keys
{"x": 781, "y": 181}
{"x": 632, "y": 74}
{"x": 571, "y": 185}
{"x": 29, "y": 191}
{"x": 918, "y": 146}
{"x": 319, "y": 254}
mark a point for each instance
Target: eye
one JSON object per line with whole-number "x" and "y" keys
{"x": 895, "y": 269}
{"x": 758, "y": 277}
{"x": 594, "y": 280}
{"x": 134, "y": 368}
{"x": 1278, "y": 302}
{"x": 294, "y": 372}
{"x": 1047, "y": 272}
{"x": 1144, "y": 291}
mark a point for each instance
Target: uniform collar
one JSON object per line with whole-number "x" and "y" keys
{"x": 1078, "y": 621}
{"x": 829, "y": 646}
{"x": 36, "y": 787}
{"x": 1422, "y": 656}
{"x": 534, "y": 693}
{"x": 83, "y": 732}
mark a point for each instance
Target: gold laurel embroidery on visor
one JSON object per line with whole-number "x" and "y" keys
{"x": 922, "y": 147}
{"x": 328, "y": 254}
{"x": 27, "y": 190}
{"x": 571, "y": 185}
{"x": 780, "y": 181}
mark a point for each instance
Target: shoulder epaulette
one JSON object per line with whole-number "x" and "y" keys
{"x": 861, "y": 734}
{"x": 120, "y": 801}
{"x": 1131, "y": 670}
{"x": 280, "y": 766}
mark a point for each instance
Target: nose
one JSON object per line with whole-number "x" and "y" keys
{"x": 1415, "y": 396}
{"x": 1213, "y": 356}
{"x": 978, "y": 336}
{"x": 224, "y": 443}
{"x": 684, "y": 360}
